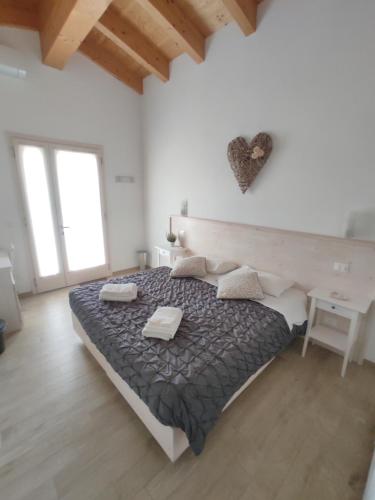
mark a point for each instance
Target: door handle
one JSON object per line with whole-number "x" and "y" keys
{"x": 63, "y": 229}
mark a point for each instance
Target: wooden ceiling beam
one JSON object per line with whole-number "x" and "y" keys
{"x": 18, "y": 17}
{"x": 168, "y": 14}
{"x": 112, "y": 65}
{"x": 67, "y": 25}
{"x": 244, "y": 12}
{"x": 131, "y": 41}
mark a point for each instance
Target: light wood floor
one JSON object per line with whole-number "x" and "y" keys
{"x": 299, "y": 432}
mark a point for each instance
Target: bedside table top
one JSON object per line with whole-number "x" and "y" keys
{"x": 354, "y": 302}
{"x": 167, "y": 248}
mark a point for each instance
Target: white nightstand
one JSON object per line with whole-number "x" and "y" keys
{"x": 355, "y": 308}
{"x": 166, "y": 255}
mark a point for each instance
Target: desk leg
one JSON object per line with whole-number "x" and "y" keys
{"x": 352, "y": 335}
{"x": 309, "y": 326}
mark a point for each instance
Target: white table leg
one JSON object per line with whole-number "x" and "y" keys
{"x": 352, "y": 335}
{"x": 309, "y": 326}
{"x": 361, "y": 341}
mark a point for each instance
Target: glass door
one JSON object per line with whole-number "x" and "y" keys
{"x": 62, "y": 191}
{"x": 81, "y": 214}
{"x": 40, "y": 217}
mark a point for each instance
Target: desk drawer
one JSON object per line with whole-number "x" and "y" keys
{"x": 335, "y": 309}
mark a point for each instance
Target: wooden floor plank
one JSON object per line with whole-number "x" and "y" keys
{"x": 299, "y": 432}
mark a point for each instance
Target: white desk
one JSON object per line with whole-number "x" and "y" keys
{"x": 10, "y": 310}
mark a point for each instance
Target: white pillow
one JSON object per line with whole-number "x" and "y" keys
{"x": 272, "y": 284}
{"x": 242, "y": 283}
{"x": 189, "y": 267}
{"x": 219, "y": 266}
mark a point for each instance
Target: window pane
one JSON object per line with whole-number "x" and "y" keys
{"x": 40, "y": 212}
{"x": 79, "y": 189}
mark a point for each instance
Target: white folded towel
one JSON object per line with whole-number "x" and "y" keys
{"x": 121, "y": 292}
{"x": 164, "y": 323}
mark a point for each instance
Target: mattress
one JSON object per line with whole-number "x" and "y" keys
{"x": 291, "y": 304}
{"x": 187, "y": 381}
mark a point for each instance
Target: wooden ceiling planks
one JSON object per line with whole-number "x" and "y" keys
{"x": 207, "y": 16}
{"x": 129, "y": 38}
{"x": 67, "y": 25}
{"x": 132, "y": 11}
{"x": 244, "y": 12}
{"x": 103, "y": 52}
{"x": 46, "y": 7}
{"x": 20, "y": 13}
{"x": 184, "y": 33}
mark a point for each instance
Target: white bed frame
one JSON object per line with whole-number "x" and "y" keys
{"x": 172, "y": 440}
{"x": 305, "y": 258}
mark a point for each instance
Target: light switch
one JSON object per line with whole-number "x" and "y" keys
{"x": 124, "y": 179}
{"x": 341, "y": 267}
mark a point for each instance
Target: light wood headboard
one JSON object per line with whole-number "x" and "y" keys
{"x": 306, "y": 258}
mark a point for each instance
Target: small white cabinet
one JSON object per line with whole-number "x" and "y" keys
{"x": 10, "y": 310}
{"x": 354, "y": 309}
{"x": 166, "y": 256}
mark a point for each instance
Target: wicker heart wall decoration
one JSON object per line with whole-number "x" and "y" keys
{"x": 247, "y": 160}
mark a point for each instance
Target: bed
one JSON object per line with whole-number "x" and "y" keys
{"x": 179, "y": 388}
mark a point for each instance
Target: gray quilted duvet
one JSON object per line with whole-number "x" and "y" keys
{"x": 187, "y": 381}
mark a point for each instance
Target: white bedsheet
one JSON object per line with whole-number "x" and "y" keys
{"x": 291, "y": 304}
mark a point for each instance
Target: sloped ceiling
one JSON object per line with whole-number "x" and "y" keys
{"x": 131, "y": 39}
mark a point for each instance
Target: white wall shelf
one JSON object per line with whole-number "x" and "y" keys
{"x": 330, "y": 337}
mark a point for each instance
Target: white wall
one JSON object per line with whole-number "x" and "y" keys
{"x": 307, "y": 77}
{"x": 81, "y": 104}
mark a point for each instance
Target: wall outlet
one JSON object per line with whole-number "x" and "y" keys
{"x": 341, "y": 267}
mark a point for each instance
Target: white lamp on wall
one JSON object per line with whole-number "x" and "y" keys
{"x": 12, "y": 71}
{"x": 12, "y": 63}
